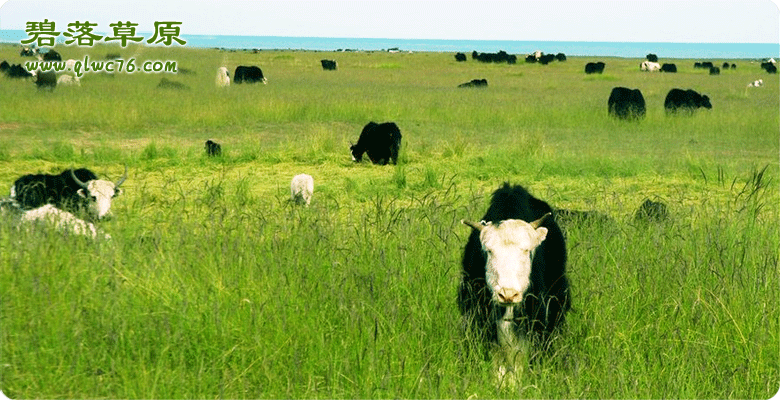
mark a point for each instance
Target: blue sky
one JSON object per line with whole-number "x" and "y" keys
{"x": 687, "y": 21}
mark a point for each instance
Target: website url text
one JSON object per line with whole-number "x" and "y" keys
{"x": 80, "y": 67}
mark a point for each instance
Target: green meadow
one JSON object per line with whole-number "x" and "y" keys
{"x": 215, "y": 286}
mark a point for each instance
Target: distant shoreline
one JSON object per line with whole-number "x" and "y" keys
{"x": 570, "y": 48}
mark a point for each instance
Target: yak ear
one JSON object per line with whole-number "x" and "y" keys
{"x": 541, "y": 233}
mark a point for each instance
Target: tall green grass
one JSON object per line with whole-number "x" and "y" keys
{"x": 214, "y": 285}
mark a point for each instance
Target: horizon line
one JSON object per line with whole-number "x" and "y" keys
{"x": 438, "y": 39}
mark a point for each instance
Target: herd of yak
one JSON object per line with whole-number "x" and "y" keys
{"x": 514, "y": 286}
{"x": 625, "y": 103}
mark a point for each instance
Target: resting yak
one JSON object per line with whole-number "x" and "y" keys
{"x": 78, "y": 191}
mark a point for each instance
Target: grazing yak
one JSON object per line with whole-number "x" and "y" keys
{"x": 68, "y": 80}
{"x": 301, "y": 189}
{"x": 669, "y": 68}
{"x": 769, "y": 66}
{"x": 546, "y": 59}
{"x": 474, "y": 83}
{"x": 28, "y": 52}
{"x": 757, "y": 83}
{"x": 380, "y": 141}
{"x": 223, "y": 77}
{"x": 652, "y": 57}
{"x": 46, "y": 80}
{"x": 166, "y": 83}
{"x": 52, "y": 55}
{"x": 213, "y": 149}
{"x": 514, "y": 288}
{"x": 78, "y": 191}
{"x": 625, "y": 103}
{"x": 16, "y": 71}
{"x": 594, "y": 67}
{"x": 251, "y": 74}
{"x": 499, "y": 57}
{"x": 649, "y": 66}
{"x": 685, "y": 100}
{"x": 651, "y": 211}
{"x": 460, "y": 57}
{"x": 329, "y": 65}
{"x": 568, "y": 218}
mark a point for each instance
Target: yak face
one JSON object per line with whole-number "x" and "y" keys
{"x": 99, "y": 193}
{"x": 705, "y": 102}
{"x": 357, "y": 155}
{"x": 509, "y": 249}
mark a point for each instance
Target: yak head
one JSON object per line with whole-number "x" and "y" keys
{"x": 705, "y": 102}
{"x": 357, "y": 153}
{"x": 99, "y": 193}
{"x": 509, "y": 248}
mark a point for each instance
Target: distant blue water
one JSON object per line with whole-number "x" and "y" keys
{"x": 603, "y": 49}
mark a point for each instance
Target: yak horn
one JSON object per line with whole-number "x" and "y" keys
{"x": 122, "y": 179}
{"x": 82, "y": 184}
{"x": 475, "y": 226}
{"x": 539, "y": 221}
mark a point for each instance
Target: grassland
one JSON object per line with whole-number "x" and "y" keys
{"x": 213, "y": 286}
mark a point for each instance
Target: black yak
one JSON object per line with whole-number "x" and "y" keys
{"x": 474, "y": 83}
{"x": 594, "y": 67}
{"x": 251, "y": 74}
{"x": 46, "y": 80}
{"x": 625, "y": 103}
{"x": 213, "y": 149}
{"x": 380, "y": 141}
{"x": 686, "y": 100}
{"x": 651, "y": 211}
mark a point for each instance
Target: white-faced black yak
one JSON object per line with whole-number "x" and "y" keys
{"x": 514, "y": 292}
